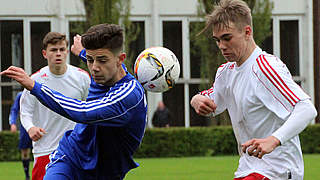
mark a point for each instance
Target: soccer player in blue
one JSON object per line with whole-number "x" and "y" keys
{"x": 111, "y": 122}
{"x": 25, "y": 143}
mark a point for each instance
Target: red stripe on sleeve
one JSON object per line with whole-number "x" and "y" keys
{"x": 281, "y": 79}
{"x": 260, "y": 64}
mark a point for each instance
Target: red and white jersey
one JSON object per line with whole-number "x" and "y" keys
{"x": 73, "y": 83}
{"x": 260, "y": 95}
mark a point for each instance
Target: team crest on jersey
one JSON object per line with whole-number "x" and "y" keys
{"x": 231, "y": 66}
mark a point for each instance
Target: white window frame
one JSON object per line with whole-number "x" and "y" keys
{"x": 276, "y": 43}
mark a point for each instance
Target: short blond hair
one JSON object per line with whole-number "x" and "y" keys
{"x": 229, "y": 11}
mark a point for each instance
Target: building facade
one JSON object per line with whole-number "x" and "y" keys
{"x": 168, "y": 23}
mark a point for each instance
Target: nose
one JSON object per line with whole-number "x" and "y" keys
{"x": 58, "y": 52}
{"x": 221, "y": 45}
{"x": 95, "y": 66}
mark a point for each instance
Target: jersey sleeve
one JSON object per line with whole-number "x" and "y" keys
{"x": 275, "y": 86}
{"x": 110, "y": 110}
{"x": 83, "y": 55}
{"x": 27, "y": 109}
{"x": 216, "y": 91}
{"x": 14, "y": 110}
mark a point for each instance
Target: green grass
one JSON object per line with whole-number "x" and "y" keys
{"x": 191, "y": 168}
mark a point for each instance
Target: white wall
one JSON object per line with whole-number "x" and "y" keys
{"x": 165, "y": 7}
{"x": 289, "y": 7}
{"x": 41, "y": 7}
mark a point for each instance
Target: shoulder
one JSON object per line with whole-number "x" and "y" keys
{"x": 270, "y": 67}
{"x": 41, "y": 73}
{"x": 224, "y": 68}
{"x": 79, "y": 72}
{"x": 130, "y": 92}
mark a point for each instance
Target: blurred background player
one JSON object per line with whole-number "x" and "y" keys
{"x": 161, "y": 117}
{"x": 44, "y": 126}
{"x": 267, "y": 108}
{"x": 25, "y": 143}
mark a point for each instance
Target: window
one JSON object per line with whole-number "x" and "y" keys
{"x": 195, "y": 56}
{"x": 172, "y": 39}
{"x": 289, "y": 45}
{"x": 11, "y": 54}
{"x": 174, "y": 99}
{"x": 267, "y": 44}
{"x": 137, "y": 43}
{"x": 38, "y": 31}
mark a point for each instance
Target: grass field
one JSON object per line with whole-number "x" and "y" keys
{"x": 193, "y": 168}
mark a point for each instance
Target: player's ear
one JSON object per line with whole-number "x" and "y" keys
{"x": 248, "y": 31}
{"x": 44, "y": 53}
{"x": 122, "y": 57}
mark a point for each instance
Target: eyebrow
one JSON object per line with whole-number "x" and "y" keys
{"x": 101, "y": 57}
{"x": 221, "y": 37}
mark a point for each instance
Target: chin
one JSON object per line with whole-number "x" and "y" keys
{"x": 99, "y": 81}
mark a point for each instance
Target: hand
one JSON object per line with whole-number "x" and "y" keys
{"x": 260, "y": 147}
{"x": 77, "y": 45}
{"x": 13, "y": 128}
{"x": 19, "y": 75}
{"x": 203, "y": 105}
{"x": 36, "y": 133}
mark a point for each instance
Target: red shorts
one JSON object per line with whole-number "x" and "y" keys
{"x": 253, "y": 176}
{"x": 39, "y": 168}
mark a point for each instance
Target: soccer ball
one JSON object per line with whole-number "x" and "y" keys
{"x": 157, "y": 69}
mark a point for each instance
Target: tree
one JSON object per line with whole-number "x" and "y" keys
{"x": 112, "y": 12}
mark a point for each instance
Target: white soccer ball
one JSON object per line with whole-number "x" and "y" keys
{"x": 157, "y": 69}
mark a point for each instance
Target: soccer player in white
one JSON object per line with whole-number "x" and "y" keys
{"x": 267, "y": 108}
{"x": 44, "y": 126}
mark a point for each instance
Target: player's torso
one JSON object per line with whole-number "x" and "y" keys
{"x": 248, "y": 114}
{"x": 55, "y": 125}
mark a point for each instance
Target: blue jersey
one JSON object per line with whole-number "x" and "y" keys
{"x": 15, "y": 109}
{"x": 111, "y": 124}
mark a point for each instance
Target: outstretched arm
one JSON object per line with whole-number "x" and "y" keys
{"x": 110, "y": 110}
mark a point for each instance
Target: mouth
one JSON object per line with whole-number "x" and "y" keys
{"x": 97, "y": 77}
{"x": 58, "y": 61}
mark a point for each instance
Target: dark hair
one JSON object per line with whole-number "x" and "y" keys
{"x": 53, "y": 38}
{"x": 229, "y": 11}
{"x": 109, "y": 36}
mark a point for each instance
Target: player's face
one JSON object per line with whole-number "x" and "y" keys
{"x": 104, "y": 66}
{"x": 232, "y": 42}
{"x": 56, "y": 54}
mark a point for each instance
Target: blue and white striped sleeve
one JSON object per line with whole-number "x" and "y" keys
{"x": 110, "y": 110}
{"x": 83, "y": 55}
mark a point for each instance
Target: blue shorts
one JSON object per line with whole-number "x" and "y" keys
{"x": 60, "y": 167}
{"x": 24, "y": 140}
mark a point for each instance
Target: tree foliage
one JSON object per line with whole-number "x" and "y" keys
{"x": 112, "y": 12}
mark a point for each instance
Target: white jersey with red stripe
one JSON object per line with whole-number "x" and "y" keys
{"x": 260, "y": 95}
{"x": 73, "y": 83}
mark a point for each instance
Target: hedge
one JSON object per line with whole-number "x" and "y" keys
{"x": 178, "y": 142}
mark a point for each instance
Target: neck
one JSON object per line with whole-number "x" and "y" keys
{"x": 58, "y": 70}
{"x": 248, "y": 51}
{"x": 121, "y": 73}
